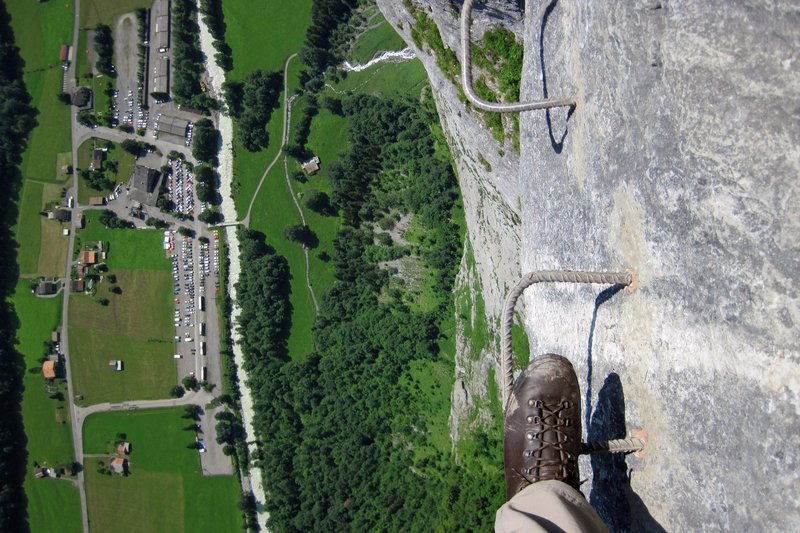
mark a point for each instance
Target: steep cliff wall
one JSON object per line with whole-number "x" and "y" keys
{"x": 492, "y": 202}
{"x": 681, "y": 162}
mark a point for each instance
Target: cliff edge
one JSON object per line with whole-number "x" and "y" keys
{"x": 680, "y": 162}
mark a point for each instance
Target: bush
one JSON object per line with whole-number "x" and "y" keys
{"x": 177, "y": 391}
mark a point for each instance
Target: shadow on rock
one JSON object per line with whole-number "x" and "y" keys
{"x": 612, "y": 496}
{"x": 557, "y": 144}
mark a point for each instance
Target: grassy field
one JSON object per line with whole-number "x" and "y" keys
{"x": 377, "y": 39}
{"x": 276, "y": 36}
{"x": 53, "y": 504}
{"x": 39, "y": 30}
{"x": 128, "y": 249}
{"x": 29, "y": 234}
{"x": 135, "y": 327}
{"x": 387, "y": 79}
{"x": 53, "y": 256}
{"x": 125, "y": 160}
{"x": 165, "y": 478}
{"x": 105, "y": 11}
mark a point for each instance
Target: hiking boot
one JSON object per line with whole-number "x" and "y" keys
{"x": 543, "y": 425}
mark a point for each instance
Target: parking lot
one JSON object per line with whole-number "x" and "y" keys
{"x": 180, "y": 187}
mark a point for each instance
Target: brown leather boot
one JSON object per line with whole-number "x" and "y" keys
{"x": 543, "y": 425}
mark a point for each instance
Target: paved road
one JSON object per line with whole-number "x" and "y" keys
{"x": 466, "y": 76}
{"x": 82, "y": 133}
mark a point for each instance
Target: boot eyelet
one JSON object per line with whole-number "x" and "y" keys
{"x": 566, "y": 404}
{"x": 529, "y": 435}
{"x": 529, "y": 419}
{"x": 530, "y": 402}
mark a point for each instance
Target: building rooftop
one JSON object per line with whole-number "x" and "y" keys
{"x": 49, "y": 369}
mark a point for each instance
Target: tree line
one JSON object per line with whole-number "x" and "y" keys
{"x": 251, "y": 103}
{"x": 214, "y": 18}
{"x": 17, "y": 120}
{"x": 187, "y": 58}
{"x": 104, "y": 48}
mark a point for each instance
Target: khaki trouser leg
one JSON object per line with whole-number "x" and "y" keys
{"x": 548, "y": 507}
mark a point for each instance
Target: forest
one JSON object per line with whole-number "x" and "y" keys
{"x": 17, "y": 119}
{"x": 188, "y": 60}
{"x": 339, "y": 438}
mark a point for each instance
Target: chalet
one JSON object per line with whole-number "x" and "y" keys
{"x": 49, "y": 370}
{"x": 62, "y": 215}
{"x": 78, "y": 285}
{"x": 98, "y": 156}
{"x": 312, "y": 165}
{"x": 46, "y": 288}
{"x": 87, "y": 257}
{"x": 81, "y": 97}
{"x": 97, "y": 201}
{"x": 118, "y": 465}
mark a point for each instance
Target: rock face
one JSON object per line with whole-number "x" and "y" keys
{"x": 681, "y": 162}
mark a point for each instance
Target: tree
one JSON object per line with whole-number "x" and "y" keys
{"x": 64, "y": 98}
{"x": 177, "y": 391}
{"x": 190, "y": 383}
{"x": 297, "y": 233}
{"x": 87, "y": 118}
{"x": 205, "y": 141}
{"x": 191, "y": 411}
{"x": 115, "y": 289}
{"x": 317, "y": 201}
{"x": 160, "y": 97}
{"x": 210, "y": 217}
{"x": 186, "y": 232}
{"x": 103, "y": 301}
{"x": 332, "y": 104}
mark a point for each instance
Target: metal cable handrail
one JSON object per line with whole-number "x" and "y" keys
{"x": 632, "y": 444}
{"x": 466, "y": 77}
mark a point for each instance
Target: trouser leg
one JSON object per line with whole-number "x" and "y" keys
{"x": 548, "y": 507}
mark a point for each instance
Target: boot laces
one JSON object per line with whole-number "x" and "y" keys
{"x": 548, "y": 433}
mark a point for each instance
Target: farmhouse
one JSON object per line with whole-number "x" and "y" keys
{"x": 98, "y": 156}
{"x": 49, "y": 370}
{"x": 46, "y": 288}
{"x": 118, "y": 465}
{"x": 87, "y": 257}
{"x": 63, "y": 53}
{"x": 312, "y": 165}
{"x": 78, "y": 285}
{"x": 81, "y": 97}
{"x": 62, "y": 215}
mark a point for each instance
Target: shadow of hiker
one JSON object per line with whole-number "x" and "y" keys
{"x": 558, "y": 145}
{"x": 612, "y": 496}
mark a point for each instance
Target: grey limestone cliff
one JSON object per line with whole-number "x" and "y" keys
{"x": 681, "y": 162}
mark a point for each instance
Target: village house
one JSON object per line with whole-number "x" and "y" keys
{"x": 78, "y": 285}
{"x": 87, "y": 257}
{"x": 46, "y": 288}
{"x": 312, "y": 165}
{"x": 118, "y": 465}
{"x": 62, "y": 215}
{"x": 81, "y": 97}
{"x": 49, "y": 369}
